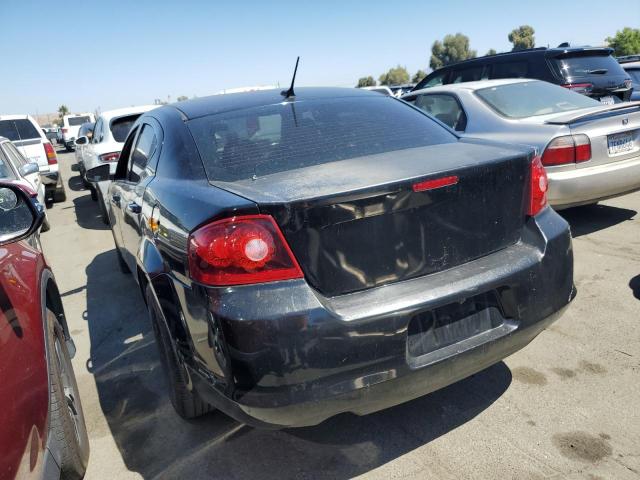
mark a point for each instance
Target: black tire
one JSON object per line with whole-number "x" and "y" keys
{"x": 68, "y": 148}
{"x": 187, "y": 403}
{"x": 60, "y": 194}
{"x": 46, "y": 226}
{"x": 94, "y": 194}
{"x": 67, "y": 419}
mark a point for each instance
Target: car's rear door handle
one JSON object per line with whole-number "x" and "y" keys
{"x": 133, "y": 207}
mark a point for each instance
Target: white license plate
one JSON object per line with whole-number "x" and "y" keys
{"x": 608, "y": 100}
{"x": 620, "y": 143}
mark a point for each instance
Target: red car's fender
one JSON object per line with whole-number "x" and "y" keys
{"x": 24, "y": 395}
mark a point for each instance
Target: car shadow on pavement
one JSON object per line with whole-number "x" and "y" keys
{"x": 589, "y": 219}
{"x": 634, "y": 285}
{"x": 88, "y": 213}
{"x": 155, "y": 442}
{"x": 76, "y": 184}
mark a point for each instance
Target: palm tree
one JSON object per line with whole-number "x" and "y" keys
{"x": 63, "y": 110}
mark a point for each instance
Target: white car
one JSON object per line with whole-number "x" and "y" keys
{"x": 70, "y": 126}
{"x": 14, "y": 167}
{"x": 109, "y": 133}
{"x": 32, "y": 143}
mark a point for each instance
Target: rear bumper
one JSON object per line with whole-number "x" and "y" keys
{"x": 281, "y": 355}
{"x": 591, "y": 184}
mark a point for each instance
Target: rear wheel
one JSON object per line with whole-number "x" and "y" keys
{"x": 124, "y": 268}
{"x": 45, "y": 225}
{"x": 94, "y": 193}
{"x": 67, "y": 419}
{"x": 187, "y": 403}
{"x": 103, "y": 210}
{"x": 60, "y": 194}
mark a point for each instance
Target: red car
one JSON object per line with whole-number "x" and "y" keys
{"x": 42, "y": 429}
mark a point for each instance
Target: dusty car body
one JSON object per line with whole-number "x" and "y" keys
{"x": 336, "y": 251}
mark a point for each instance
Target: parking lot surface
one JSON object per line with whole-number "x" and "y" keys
{"x": 567, "y": 406}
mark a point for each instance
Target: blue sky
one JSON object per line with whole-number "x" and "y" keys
{"x": 117, "y": 53}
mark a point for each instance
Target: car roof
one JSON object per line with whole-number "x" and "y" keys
{"x": 476, "y": 85}
{"x": 15, "y": 117}
{"x": 120, "y": 112}
{"x": 214, "y": 104}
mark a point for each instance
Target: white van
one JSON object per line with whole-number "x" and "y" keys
{"x": 70, "y": 126}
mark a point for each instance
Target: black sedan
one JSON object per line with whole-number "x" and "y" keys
{"x": 333, "y": 251}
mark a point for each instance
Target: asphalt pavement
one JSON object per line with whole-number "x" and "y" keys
{"x": 567, "y": 406}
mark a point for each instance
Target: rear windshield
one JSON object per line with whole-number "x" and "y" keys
{"x": 275, "y": 138}
{"x": 16, "y": 130}
{"x": 75, "y": 121}
{"x": 120, "y": 127}
{"x": 585, "y": 66}
{"x": 529, "y": 99}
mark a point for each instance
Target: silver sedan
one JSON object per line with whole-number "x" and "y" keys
{"x": 591, "y": 151}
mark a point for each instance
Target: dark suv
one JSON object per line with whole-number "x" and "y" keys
{"x": 590, "y": 71}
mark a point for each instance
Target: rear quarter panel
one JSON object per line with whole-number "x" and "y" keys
{"x": 24, "y": 396}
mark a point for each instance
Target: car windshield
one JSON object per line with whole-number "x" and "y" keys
{"x": 635, "y": 75}
{"x": 121, "y": 126}
{"x": 75, "y": 121}
{"x": 530, "y": 99}
{"x": 16, "y": 130}
{"x": 286, "y": 136}
{"x": 584, "y": 66}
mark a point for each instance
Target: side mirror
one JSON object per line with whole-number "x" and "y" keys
{"x": 82, "y": 141}
{"x": 98, "y": 174}
{"x": 29, "y": 169}
{"x": 20, "y": 214}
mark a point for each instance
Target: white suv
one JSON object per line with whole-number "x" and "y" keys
{"x": 70, "y": 126}
{"x": 109, "y": 133}
{"x": 32, "y": 143}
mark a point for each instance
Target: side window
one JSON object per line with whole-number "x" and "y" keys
{"x": 14, "y": 155}
{"x": 469, "y": 74}
{"x": 142, "y": 151}
{"x": 445, "y": 108}
{"x": 97, "y": 132}
{"x": 510, "y": 70}
{"x": 435, "y": 80}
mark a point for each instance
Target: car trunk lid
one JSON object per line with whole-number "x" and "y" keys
{"x": 614, "y": 131}
{"x": 358, "y": 223}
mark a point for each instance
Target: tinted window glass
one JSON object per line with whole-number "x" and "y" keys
{"x": 584, "y": 66}
{"x": 75, "y": 121}
{"x": 14, "y": 155}
{"x": 527, "y": 99}
{"x": 5, "y": 169}
{"x": 120, "y": 127}
{"x": 8, "y": 130}
{"x": 445, "y": 108}
{"x": 635, "y": 76}
{"x": 470, "y": 74}
{"x": 142, "y": 152}
{"x": 510, "y": 70}
{"x": 86, "y": 130}
{"x": 437, "y": 79}
{"x": 26, "y": 130}
{"x": 287, "y": 136}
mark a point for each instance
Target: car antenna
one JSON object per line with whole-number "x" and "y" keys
{"x": 290, "y": 92}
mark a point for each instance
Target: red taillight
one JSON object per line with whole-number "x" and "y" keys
{"x": 52, "y": 159}
{"x": 109, "y": 157}
{"x": 567, "y": 149}
{"x": 435, "y": 183}
{"x": 582, "y": 88}
{"x": 538, "y": 186}
{"x": 239, "y": 251}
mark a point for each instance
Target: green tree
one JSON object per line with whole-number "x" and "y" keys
{"x": 419, "y": 75}
{"x": 491, "y": 51}
{"x": 366, "y": 82}
{"x": 452, "y": 49}
{"x": 182, "y": 98}
{"x": 63, "y": 110}
{"x": 522, "y": 37}
{"x": 395, "y": 76}
{"x": 625, "y": 42}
